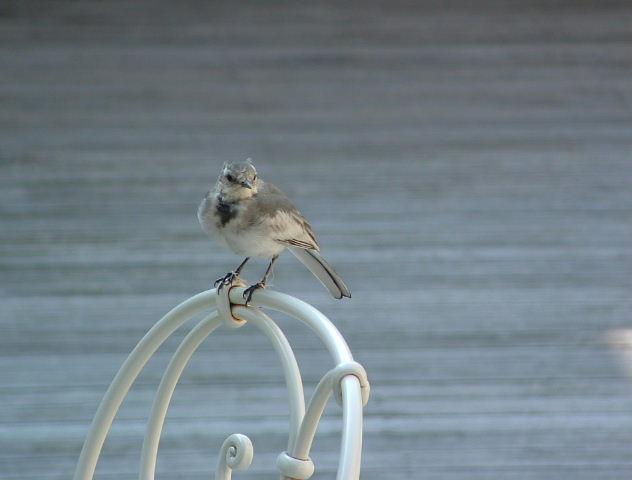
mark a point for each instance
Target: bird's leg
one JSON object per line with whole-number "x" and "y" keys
{"x": 262, "y": 284}
{"x": 230, "y": 277}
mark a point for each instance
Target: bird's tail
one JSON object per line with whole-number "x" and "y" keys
{"x": 322, "y": 270}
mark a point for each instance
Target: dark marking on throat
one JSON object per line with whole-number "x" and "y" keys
{"x": 226, "y": 211}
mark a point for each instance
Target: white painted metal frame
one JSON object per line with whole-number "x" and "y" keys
{"x": 347, "y": 380}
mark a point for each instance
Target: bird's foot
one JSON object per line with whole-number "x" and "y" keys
{"x": 225, "y": 281}
{"x": 252, "y": 289}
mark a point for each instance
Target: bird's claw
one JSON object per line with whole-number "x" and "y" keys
{"x": 225, "y": 281}
{"x": 252, "y": 289}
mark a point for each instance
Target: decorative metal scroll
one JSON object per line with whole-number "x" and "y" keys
{"x": 347, "y": 380}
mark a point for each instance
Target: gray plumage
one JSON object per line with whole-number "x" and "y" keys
{"x": 255, "y": 219}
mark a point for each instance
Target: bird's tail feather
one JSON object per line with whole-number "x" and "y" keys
{"x": 322, "y": 270}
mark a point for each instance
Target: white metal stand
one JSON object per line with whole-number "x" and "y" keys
{"x": 347, "y": 380}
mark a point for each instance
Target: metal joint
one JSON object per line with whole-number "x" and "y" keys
{"x": 350, "y": 368}
{"x": 295, "y": 468}
{"x": 225, "y": 306}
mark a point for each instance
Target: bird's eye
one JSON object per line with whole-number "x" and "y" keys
{"x": 230, "y": 178}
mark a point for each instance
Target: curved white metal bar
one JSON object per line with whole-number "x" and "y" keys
{"x": 165, "y": 390}
{"x": 304, "y": 312}
{"x": 128, "y": 372}
{"x": 314, "y": 412}
{"x": 351, "y": 442}
{"x": 330, "y": 382}
{"x": 298, "y": 464}
{"x": 183, "y": 355}
{"x": 286, "y": 356}
{"x": 236, "y": 454}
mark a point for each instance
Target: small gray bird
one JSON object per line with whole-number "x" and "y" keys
{"x": 255, "y": 219}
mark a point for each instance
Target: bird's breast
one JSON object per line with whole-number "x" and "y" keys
{"x": 225, "y": 211}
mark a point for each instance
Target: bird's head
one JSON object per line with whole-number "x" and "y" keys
{"x": 238, "y": 180}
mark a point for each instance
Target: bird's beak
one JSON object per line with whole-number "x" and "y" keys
{"x": 246, "y": 184}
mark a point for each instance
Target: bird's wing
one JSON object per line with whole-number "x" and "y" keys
{"x": 298, "y": 243}
{"x": 273, "y": 210}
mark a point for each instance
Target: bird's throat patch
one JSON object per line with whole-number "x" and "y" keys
{"x": 226, "y": 211}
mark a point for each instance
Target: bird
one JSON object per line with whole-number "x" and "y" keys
{"x": 255, "y": 219}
